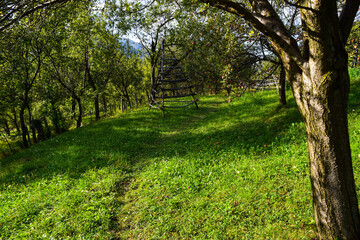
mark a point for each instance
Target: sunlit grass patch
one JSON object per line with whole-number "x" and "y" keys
{"x": 229, "y": 170}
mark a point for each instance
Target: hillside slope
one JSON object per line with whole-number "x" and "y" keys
{"x": 226, "y": 171}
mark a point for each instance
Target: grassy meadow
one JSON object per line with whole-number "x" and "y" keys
{"x": 229, "y": 170}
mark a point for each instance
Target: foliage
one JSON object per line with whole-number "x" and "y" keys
{"x": 221, "y": 52}
{"x": 354, "y": 73}
{"x": 58, "y": 70}
{"x": 353, "y": 46}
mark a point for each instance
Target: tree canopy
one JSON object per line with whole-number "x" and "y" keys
{"x": 64, "y": 62}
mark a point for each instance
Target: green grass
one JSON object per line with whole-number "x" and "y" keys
{"x": 354, "y": 73}
{"x": 234, "y": 170}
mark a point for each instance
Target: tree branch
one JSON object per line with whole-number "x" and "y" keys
{"x": 299, "y": 6}
{"x": 347, "y": 18}
{"x": 139, "y": 10}
{"x": 27, "y": 12}
{"x": 266, "y": 20}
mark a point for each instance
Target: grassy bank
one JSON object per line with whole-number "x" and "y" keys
{"x": 226, "y": 171}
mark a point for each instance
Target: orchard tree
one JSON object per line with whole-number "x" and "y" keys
{"x": 127, "y": 74}
{"x": 317, "y": 70}
{"x": 12, "y": 11}
{"x": 151, "y": 22}
{"x": 22, "y": 52}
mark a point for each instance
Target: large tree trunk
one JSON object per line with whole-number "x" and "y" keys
{"x": 320, "y": 82}
{"x": 321, "y": 92}
{"x": 321, "y": 88}
{"x": 333, "y": 188}
{"x": 323, "y": 103}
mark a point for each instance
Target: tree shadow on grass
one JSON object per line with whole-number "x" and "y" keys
{"x": 243, "y": 135}
{"x": 143, "y": 135}
{"x": 354, "y": 97}
{"x": 136, "y": 138}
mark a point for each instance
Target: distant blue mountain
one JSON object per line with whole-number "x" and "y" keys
{"x": 135, "y": 45}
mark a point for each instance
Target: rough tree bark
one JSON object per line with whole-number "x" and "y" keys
{"x": 319, "y": 79}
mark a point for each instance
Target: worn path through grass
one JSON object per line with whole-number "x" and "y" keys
{"x": 237, "y": 172}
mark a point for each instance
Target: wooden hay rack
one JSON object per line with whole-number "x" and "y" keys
{"x": 172, "y": 88}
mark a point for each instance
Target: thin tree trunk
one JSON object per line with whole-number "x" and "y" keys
{"x": 73, "y": 107}
{"x": 47, "y": 128}
{"x": 93, "y": 85}
{"x": 15, "y": 120}
{"x": 97, "y": 107}
{"x": 105, "y": 106}
{"x": 148, "y": 96}
{"x": 24, "y": 130}
{"x": 7, "y": 142}
{"x": 282, "y": 92}
{"x": 6, "y": 126}
{"x": 136, "y": 100}
{"x": 80, "y": 114}
{"x": 126, "y": 94}
{"x": 33, "y": 129}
